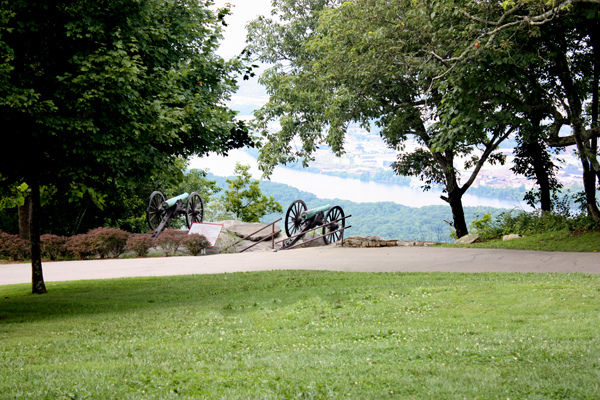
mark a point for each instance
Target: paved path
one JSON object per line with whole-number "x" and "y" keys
{"x": 391, "y": 259}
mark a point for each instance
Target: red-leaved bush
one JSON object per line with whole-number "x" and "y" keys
{"x": 195, "y": 243}
{"x": 53, "y": 246}
{"x": 108, "y": 242}
{"x": 12, "y": 246}
{"x": 170, "y": 240}
{"x": 140, "y": 244}
{"x": 80, "y": 245}
{"x": 5, "y": 238}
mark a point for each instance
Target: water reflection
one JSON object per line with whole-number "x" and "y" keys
{"x": 331, "y": 187}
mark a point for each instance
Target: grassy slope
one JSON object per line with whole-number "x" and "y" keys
{"x": 550, "y": 241}
{"x": 294, "y": 334}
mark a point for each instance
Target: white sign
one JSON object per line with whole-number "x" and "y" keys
{"x": 210, "y": 231}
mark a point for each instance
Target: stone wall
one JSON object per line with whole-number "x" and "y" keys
{"x": 376, "y": 241}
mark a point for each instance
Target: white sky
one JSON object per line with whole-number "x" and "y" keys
{"x": 243, "y": 11}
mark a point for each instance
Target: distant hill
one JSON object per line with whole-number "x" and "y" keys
{"x": 386, "y": 219}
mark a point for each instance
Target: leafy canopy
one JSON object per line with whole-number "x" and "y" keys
{"x": 245, "y": 199}
{"x": 105, "y": 91}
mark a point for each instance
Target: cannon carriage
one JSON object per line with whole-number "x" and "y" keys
{"x": 299, "y": 221}
{"x": 160, "y": 212}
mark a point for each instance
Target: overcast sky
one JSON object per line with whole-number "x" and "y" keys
{"x": 243, "y": 12}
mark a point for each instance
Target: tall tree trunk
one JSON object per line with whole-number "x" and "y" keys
{"x": 541, "y": 175}
{"x": 593, "y": 28}
{"x": 25, "y": 218}
{"x": 583, "y": 146}
{"x": 458, "y": 213}
{"x": 589, "y": 185}
{"x": 37, "y": 277}
{"x": 455, "y": 193}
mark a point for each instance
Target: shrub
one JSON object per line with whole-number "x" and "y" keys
{"x": 486, "y": 228}
{"x": 170, "y": 240}
{"x": 80, "y": 245}
{"x": 13, "y": 247}
{"x": 532, "y": 223}
{"x": 195, "y": 243}
{"x": 140, "y": 244}
{"x": 4, "y": 239}
{"x": 108, "y": 242}
{"x": 53, "y": 246}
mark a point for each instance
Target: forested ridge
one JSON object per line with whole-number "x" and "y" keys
{"x": 386, "y": 219}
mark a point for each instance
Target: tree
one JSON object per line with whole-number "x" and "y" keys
{"x": 245, "y": 199}
{"x": 533, "y": 160}
{"x": 365, "y": 62}
{"x": 102, "y": 93}
{"x": 512, "y": 77}
{"x": 563, "y": 42}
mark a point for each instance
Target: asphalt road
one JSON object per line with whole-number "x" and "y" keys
{"x": 390, "y": 259}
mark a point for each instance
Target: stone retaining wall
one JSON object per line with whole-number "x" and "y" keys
{"x": 376, "y": 241}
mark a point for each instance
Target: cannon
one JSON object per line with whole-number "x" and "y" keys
{"x": 160, "y": 212}
{"x": 299, "y": 221}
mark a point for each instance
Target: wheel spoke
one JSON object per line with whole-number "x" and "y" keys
{"x": 154, "y": 212}
{"x": 194, "y": 209}
{"x": 333, "y": 214}
{"x": 293, "y": 217}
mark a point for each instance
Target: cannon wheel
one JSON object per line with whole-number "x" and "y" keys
{"x": 194, "y": 209}
{"x": 293, "y": 217}
{"x": 155, "y": 212}
{"x": 333, "y": 214}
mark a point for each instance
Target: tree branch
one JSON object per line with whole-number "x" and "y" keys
{"x": 496, "y": 139}
{"x": 557, "y": 141}
{"x": 536, "y": 20}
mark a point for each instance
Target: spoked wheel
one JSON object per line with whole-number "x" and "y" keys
{"x": 155, "y": 211}
{"x": 293, "y": 217}
{"x": 333, "y": 214}
{"x": 194, "y": 209}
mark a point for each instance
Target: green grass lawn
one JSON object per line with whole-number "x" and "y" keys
{"x": 550, "y": 241}
{"x": 304, "y": 335}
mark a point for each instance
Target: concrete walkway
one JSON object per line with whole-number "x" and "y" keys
{"x": 391, "y": 259}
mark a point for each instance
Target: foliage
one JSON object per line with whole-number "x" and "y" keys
{"x": 53, "y": 246}
{"x": 80, "y": 245}
{"x": 14, "y": 196}
{"x": 140, "y": 244}
{"x": 215, "y": 211}
{"x": 386, "y": 219}
{"x": 193, "y": 181}
{"x": 533, "y": 223}
{"x": 104, "y": 93}
{"x": 129, "y": 86}
{"x": 13, "y": 247}
{"x": 244, "y": 198}
{"x": 584, "y": 240}
{"x": 170, "y": 240}
{"x": 305, "y": 334}
{"x": 195, "y": 243}
{"x": 108, "y": 242}
{"x": 348, "y": 64}
{"x": 124, "y": 209}
{"x": 537, "y": 62}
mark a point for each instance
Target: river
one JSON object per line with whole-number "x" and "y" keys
{"x": 331, "y": 187}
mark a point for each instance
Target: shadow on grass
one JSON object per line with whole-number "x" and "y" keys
{"x": 211, "y": 292}
{"x": 238, "y": 292}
